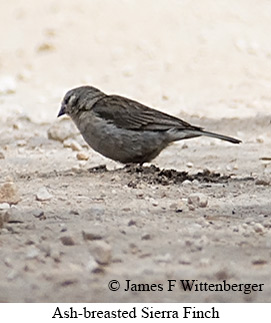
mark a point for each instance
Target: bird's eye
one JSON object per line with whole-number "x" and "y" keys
{"x": 67, "y": 99}
{"x": 72, "y": 99}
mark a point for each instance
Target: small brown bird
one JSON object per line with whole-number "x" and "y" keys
{"x": 123, "y": 129}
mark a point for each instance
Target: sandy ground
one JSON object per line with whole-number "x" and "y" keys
{"x": 71, "y": 220}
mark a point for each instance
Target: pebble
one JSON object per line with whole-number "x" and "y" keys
{"x": 76, "y": 169}
{"x": 244, "y": 226}
{"x": 32, "y": 253}
{"x": 164, "y": 258}
{"x": 7, "y": 85}
{"x": 92, "y": 265}
{"x": 91, "y": 236}
{"x": 187, "y": 183}
{"x": 260, "y": 139}
{"x": 43, "y": 194}
{"x": 61, "y": 131}
{"x": 45, "y": 47}
{"x": 37, "y": 213}
{"x": 73, "y": 144}
{"x": 229, "y": 168}
{"x": 102, "y": 253}
{"x": 146, "y": 236}
{"x": 131, "y": 222}
{"x": 4, "y": 206}
{"x": 178, "y": 207}
{"x": 2, "y": 156}
{"x": 9, "y": 193}
{"x": 82, "y": 156}
{"x": 248, "y": 220}
{"x": 67, "y": 241}
{"x": 154, "y": 202}
{"x": 198, "y": 199}
{"x": 258, "y": 227}
{"x": 190, "y": 165}
{"x": 195, "y": 182}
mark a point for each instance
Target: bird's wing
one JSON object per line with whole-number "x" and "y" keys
{"x": 130, "y": 114}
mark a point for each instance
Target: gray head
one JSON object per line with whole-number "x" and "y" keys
{"x": 79, "y": 99}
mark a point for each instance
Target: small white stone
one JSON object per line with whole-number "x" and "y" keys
{"x": 4, "y": 206}
{"x": 61, "y": 131}
{"x": 198, "y": 199}
{"x": 187, "y": 183}
{"x": 75, "y": 146}
{"x": 32, "y": 253}
{"x": 189, "y": 165}
{"x": 43, "y": 194}
{"x": 92, "y": 265}
{"x": 260, "y": 139}
{"x": 258, "y": 227}
{"x": 248, "y": 220}
{"x": 154, "y": 202}
{"x": 164, "y": 258}
{"x": 102, "y": 252}
{"x": 229, "y": 168}
{"x": 7, "y": 85}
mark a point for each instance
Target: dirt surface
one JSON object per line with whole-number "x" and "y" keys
{"x": 70, "y": 220}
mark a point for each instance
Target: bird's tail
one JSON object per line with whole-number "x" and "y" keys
{"x": 176, "y": 134}
{"x": 218, "y": 136}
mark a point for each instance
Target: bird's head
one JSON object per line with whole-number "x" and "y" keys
{"x": 79, "y": 99}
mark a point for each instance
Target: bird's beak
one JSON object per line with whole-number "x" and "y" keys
{"x": 62, "y": 110}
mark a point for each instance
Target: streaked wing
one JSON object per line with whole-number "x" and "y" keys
{"x": 129, "y": 114}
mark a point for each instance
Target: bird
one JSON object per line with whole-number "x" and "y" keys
{"x": 123, "y": 129}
